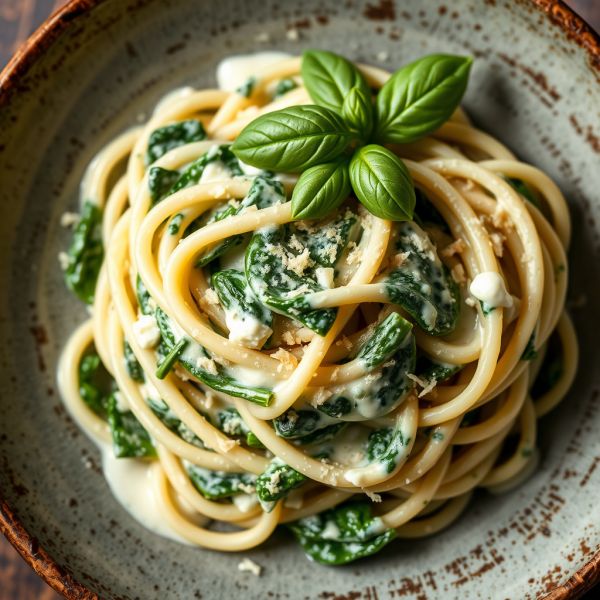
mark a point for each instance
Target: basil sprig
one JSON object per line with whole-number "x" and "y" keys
{"x": 382, "y": 183}
{"x": 336, "y": 142}
{"x": 329, "y": 78}
{"x": 322, "y": 188}
{"x": 420, "y": 97}
{"x": 293, "y": 139}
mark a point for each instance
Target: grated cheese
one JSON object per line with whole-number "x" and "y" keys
{"x": 286, "y": 359}
{"x": 250, "y": 566}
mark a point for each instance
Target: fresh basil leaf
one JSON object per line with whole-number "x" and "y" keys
{"x": 420, "y": 97}
{"x": 421, "y": 283}
{"x": 321, "y": 189}
{"x": 382, "y": 183}
{"x": 283, "y": 87}
{"x": 275, "y": 482}
{"x": 217, "y": 484}
{"x": 86, "y": 253}
{"x": 167, "y": 138}
{"x": 293, "y": 139}
{"x": 357, "y": 111}
{"x": 342, "y": 534}
{"x": 329, "y": 78}
{"x": 130, "y": 439}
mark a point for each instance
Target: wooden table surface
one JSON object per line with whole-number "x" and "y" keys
{"x": 18, "y": 19}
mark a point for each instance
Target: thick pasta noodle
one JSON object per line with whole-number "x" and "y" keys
{"x": 278, "y": 371}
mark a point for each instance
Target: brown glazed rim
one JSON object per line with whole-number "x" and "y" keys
{"x": 10, "y": 525}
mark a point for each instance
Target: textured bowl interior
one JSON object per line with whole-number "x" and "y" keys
{"x": 532, "y": 87}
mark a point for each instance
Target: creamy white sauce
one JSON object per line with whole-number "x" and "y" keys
{"x": 129, "y": 481}
{"x": 215, "y": 171}
{"x": 250, "y": 170}
{"x": 234, "y": 257}
{"x": 234, "y": 71}
{"x": 122, "y": 404}
{"x": 490, "y": 288}
{"x": 172, "y": 97}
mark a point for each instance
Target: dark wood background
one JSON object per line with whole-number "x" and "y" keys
{"x": 18, "y": 19}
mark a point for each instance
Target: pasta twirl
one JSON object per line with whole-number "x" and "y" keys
{"x": 352, "y": 376}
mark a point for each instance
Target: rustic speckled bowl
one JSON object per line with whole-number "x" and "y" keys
{"x": 87, "y": 75}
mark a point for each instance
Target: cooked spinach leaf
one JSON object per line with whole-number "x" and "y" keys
{"x": 200, "y": 364}
{"x": 386, "y": 446}
{"x": 191, "y": 176}
{"x": 421, "y": 284}
{"x": 275, "y": 482}
{"x": 275, "y": 272}
{"x": 85, "y": 253}
{"x": 283, "y": 87}
{"x": 145, "y": 300}
{"x": 530, "y": 353}
{"x": 300, "y": 425}
{"x": 89, "y": 387}
{"x": 160, "y": 181}
{"x": 164, "y": 412}
{"x": 426, "y": 211}
{"x": 218, "y": 484}
{"x": 342, "y": 534}
{"x": 130, "y": 439}
{"x": 132, "y": 365}
{"x": 522, "y": 188}
{"x": 241, "y": 306}
{"x": 231, "y": 423}
{"x": 430, "y": 368}
{"x": 167, "y": 138}
{"x": 263, "y": 193}
{"x": 387, "y": 357}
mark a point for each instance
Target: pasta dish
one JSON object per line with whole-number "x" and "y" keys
{"x": 322, "y": 299}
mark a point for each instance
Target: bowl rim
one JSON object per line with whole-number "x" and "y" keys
{"x": 50, "y": 31}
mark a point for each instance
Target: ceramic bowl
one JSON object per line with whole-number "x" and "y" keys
{"x": 98, "y": 67}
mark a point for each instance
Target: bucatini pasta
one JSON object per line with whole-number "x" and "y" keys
{"x": 352, "y": 376}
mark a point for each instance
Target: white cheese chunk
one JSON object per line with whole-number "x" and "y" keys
{"x": 490, "y": 288}
{"x": 245, "y": 502}
{"x": 248, "y": 332}
{"x": 215, "y": 171}
{"x": 146, "y": 331}
{"x": 250, "y": 566}
{"x": 325, "y": 277}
